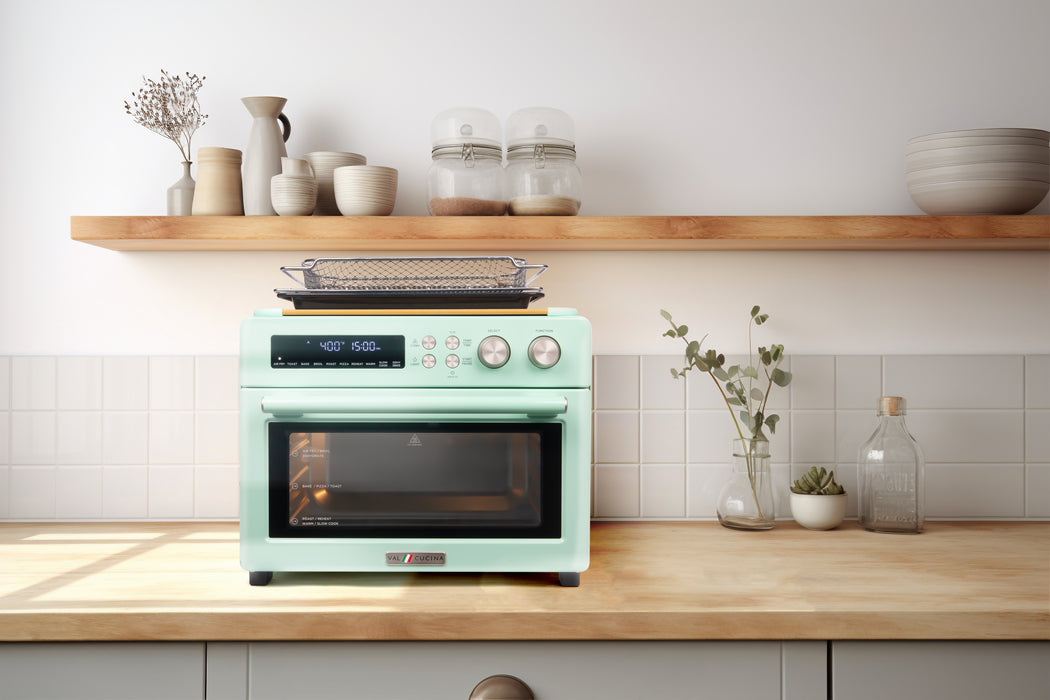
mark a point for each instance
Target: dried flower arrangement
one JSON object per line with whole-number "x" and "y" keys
{"x": 169, "y": 107}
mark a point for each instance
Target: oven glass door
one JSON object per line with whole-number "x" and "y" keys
{"x": 425, "y": 479}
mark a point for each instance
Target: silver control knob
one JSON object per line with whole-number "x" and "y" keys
{"x": 429, "y": 342}
{"x": 493, "y": 352}
{"x": 452, "y": 342}
{"x": 452, "y": 361}
{"x": 429, "y": 361}
{"x": 544, "y": 352}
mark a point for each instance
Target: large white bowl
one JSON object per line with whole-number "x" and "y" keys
{"x": 974, "y": 141}
{"x": 1024, "y": 133}
{"x": 365, "y": 190}
{"x": 979, "y": 196}
{"x": 979, "y": 171}
{"x": 962, "y": 155}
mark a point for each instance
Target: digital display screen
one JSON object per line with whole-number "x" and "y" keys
{"x": 337, "y": 351}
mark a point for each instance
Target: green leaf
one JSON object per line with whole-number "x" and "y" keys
{"x": 780, "y": 377}
{"x": 682, "y": 330}
{"x": 721, "y": 359}
{"x": 759, "y": 320}
{"x": 767, "y": 358}
{"x": 778, "y": 351}
{"x": 674, "y": 373}
{"x": 734, "y": 370}
{"x": 701, "y": 365}
{"x": 720, "y": 374}
{"x": 745, "y": 419}
{"x": 750, "y": 371}
{"x": 754, "y": 311}
{"x": 734, "y": 401}
{"x": 692, "y": 349}
{"x": 666, "y": 315}
{"x": 757, "y": 395}
{"x": 771, "y": 422}
{"x": 671, "y": 334}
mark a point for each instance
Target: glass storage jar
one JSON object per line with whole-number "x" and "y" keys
{"x": 542, "y": 177}
{"x": 466, "y": 176}
{"x": 892, "y": 474}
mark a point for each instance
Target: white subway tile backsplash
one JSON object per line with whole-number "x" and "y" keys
{"x": 125, "y": 492}
{"x": 125, "y": 437}
{"x": 215, "y": 491}
{"x": 965, "y": 491}
{"x": 858, "y": 381}
{"x": 5, "y": 437}
{"x": 663, "y": 437}
{"x": 217, "y": 383}
{"x": 32, "y": 383}
{"x": 216, "y": 437}
{"x": 956, "y": 381}
{"x": 79, "y": 383}
{"x": 1037, "y": 488}
{"x": 813, "y": 382}
{"x": 170, "y": 491}
{"x": 616, "y": 491}
{"x": 125, "y": 383}
{"x": 812, "y": 436}
{"x": 1037, "y": 381}
{"x": 5, "y": 383}
{"x": 659, "y": 389}
{"x": 663, "y": 495}
{"x": 33, "y": 437}
{"x": 5, "y": 491}
{"x": 969, "y": 436}
{"x": 78, "y": 492}
{"x": 852, "y": 429}
{"x": 703, "y": 484}
{"x": 171, "y": 437}
{"x": 78, "y": 437}
{"x": 617, "y": 437}
{"x": 32, "y": 492}
{"x": 171, "y": 383}
{"x": 616, "y": 381}
{"x": 1037, "y": 436}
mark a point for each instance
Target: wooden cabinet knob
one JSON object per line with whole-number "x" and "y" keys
{"x": 502, "y": 687}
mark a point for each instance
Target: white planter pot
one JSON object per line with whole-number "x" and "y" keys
{"x": 818, "y": 512}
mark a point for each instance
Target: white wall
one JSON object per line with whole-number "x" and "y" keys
{"x": 762, "y": 107}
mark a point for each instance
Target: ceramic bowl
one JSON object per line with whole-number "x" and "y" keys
{"x": 365, "y": 190}
{"x": 324, "y": 164}
{"x": 956, "y": 141}
{"x": 293, "y": 195}
{"x": 1039, "y": 172}
{"x": 995, "y": 132}
{"x": 964, "y": 155}
{"x": 818, "y": 512}
{"x": 997, "y": 197}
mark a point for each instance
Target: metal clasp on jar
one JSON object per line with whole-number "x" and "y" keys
{"x": 539, "y": 156}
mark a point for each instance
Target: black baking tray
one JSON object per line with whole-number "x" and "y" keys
{"x": 472, "y": 298}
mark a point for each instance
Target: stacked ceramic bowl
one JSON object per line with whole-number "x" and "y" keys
{"x": 324, "y": 164}
{"x": 979, "y": 171}
{"x": 294, "y": 191}
{"x": 365, "y": 190}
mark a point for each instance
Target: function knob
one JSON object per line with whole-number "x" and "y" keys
{"x": 493, "y": 352}
{"x": 544, "y": 352}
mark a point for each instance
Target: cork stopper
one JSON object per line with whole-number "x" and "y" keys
{"x": 891, "y": 406}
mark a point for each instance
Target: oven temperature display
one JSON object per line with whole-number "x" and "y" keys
{"x": 337, "y": 352}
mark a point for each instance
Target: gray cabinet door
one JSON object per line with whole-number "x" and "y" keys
{"x": 102, "y": 671}
{"x": 940, "y": 670}
{"x": 554, "y": 670}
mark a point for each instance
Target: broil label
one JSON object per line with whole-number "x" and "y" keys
{"x": 415, "y": 558}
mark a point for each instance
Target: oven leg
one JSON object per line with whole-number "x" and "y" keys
{"x": 259, "y": 578}
{"x": 570, "y": 579}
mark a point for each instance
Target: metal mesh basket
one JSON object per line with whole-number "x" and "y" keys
{"x": 488, "y": 272}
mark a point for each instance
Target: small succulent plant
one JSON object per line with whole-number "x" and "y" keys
{"x": 818, "y": 482}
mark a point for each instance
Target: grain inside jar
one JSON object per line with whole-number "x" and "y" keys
{"x": 466, "y": 206}
{"x": 543, "y": 205}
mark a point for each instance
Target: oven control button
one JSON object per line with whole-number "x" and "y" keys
{"x": 544, "y": 352}
{"x": 452, "y": 342}
{"x": 429, "y": 342}
{"x": 429, "y": 361}
{"x": 452, "y": 361}
{"x": 493, "y": 352}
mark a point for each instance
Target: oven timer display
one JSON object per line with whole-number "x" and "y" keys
{"x": 337, "y": 351}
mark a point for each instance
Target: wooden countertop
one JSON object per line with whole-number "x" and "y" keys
{"x": 667, "y": 580}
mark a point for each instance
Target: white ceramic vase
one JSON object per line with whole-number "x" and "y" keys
{"x": 180, "y": 195}
{"x": 262, "y": 158}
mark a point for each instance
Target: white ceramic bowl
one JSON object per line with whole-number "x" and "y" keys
{"x": 974, "y": 141}
{"x": 963, "y": 155}
{"x": 979, "y": 196}
{"x": 324, "y": 164}
{"x": 818, "y": 512}
{"x": 293, "y": 195}
{"x": 979, "y": 171}
{"x": 365, "y": 190}
{"x": 1023, "y": 133}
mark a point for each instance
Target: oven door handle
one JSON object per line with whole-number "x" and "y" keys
{"x": 532, "y": 407}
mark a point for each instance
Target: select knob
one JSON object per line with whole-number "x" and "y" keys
{"x": 493, "y": 352}
{"x": 544, "y": 352}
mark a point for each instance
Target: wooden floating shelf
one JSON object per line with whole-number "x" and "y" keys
{"x": 596, "y": 233}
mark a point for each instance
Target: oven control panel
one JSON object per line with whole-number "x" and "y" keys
{"x": 409, "y": 350}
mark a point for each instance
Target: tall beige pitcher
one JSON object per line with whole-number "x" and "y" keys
{"x": 262, "y": 158}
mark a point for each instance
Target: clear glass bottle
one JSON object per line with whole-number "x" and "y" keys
{"x": 466, "y": 176}
{"x": 746, "y": 500}
{"x": 542, "y": 177}
{"x": 892, "y": 474}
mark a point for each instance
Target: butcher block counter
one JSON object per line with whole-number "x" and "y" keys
{"x": 652, "y": 580}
